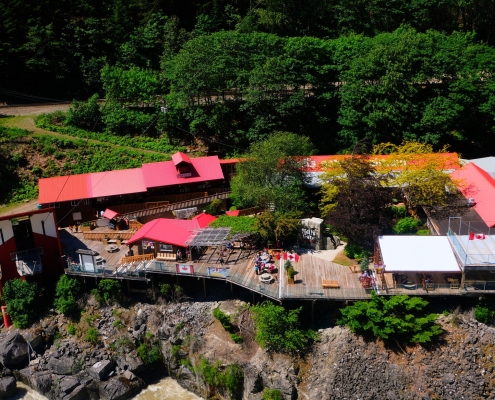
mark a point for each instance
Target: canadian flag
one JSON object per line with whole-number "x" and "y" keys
{"x": 184, "y": 269}
{"x": 479, "y": 236}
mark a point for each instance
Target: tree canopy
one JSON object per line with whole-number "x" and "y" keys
{"x": 396, "y": 317}
{"x": 272, "y": 175}
{"x": 355, "y": 201}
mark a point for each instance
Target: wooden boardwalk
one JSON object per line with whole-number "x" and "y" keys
{"x": 238, "y": 269}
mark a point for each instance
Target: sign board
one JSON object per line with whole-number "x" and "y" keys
{"x": 184, "y": 269}
{"x": 185, "y": 175}
{"x": 217, "y": 272}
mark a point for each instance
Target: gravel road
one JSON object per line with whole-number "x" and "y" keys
{"x": 32, "y": 110}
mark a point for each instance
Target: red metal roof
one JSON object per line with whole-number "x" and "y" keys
{"x": 476, "y": 183}
{"x": 179, "y": 157}
{"x": 63, "y": 188}
{"x": 110, "y": 214}
{"x": 111, "y": 183}
{"x": 171, "y": 231}
{"x": 125, "y": 181}
{"x": 202, "y": 169}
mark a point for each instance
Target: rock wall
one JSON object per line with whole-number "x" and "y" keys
{"x": 340, "y": 365}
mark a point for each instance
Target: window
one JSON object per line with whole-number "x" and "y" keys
{"x": 86, "y": 202}
{"x": 74, "y": 203}
{"x": 76, "y": 216}
{"x": 43, "y": 227}
{"x": 54, "y": 205}
{"x": 166, "y": 247}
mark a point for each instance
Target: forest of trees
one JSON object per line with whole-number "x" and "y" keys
{"x": 232, "y": 72}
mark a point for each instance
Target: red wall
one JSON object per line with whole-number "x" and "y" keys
{"x": 51, "y": 256}
{"x": 9, "y": 270}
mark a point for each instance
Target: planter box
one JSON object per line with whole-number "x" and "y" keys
{"x": 85, "y": 228}
{"x": 290, "y": 281}
{"x": 105, "y": 241}
{"x": 119, "y": 242}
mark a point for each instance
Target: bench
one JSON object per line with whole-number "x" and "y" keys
{"x": 329, "y": 284}
{"x": 166, "y": 256}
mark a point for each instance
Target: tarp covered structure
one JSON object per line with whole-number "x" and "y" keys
{"x": 417, "y": 254}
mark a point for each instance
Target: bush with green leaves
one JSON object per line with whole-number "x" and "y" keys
{"x": 108, "y": 291}
{"x": 92, "y": 335}
{"x": 272, "y": 394}
{"x": 66, "y": 294}
{"x": 22, "y": 299}
{"x": 227, "y": 324}
{"x": 396, "y": 317}
{"x": 364, "y": 265}
{"x": 484, "y": 312}
{"x": 232, "y": 378}
{"x": 171, "y": 292}
{"x": 71, "y": 329}
{"x": 354, "y": 251}
{"x": 406, "y": 225}
{"x": 239, "y": 224}
{"x": 279, "y": 330}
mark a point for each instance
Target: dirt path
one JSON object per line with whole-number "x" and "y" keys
{"x": 27, "y": 122}
{"x": 32, "y": 110}
{"x": 31, "y": 205}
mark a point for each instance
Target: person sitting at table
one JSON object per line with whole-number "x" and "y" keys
{"x": 403, "y": 280}
{"x": 256, "y": 269}
{"x": 271, "y": 267}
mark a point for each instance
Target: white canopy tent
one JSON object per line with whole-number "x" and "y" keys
{"x": 417, "y": 254}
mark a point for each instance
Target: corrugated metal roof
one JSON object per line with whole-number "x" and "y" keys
{"x": 110, "y": 214}
{"x": 478, "y": 184}
{"x": 171, "y": 231}
{"x": 63, "y": 188}
{"x": 125, "y": 181}
{"x": 164, "y": 173}
{"x": 179, "y": 157}
{"x": 111, "y": 183}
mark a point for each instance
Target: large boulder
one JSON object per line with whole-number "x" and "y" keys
{"x": 41, "y": 381}
{"x": 61, "y": 366}
{"x": 101, "y": 369}
{"x": 8, "y": 387}
{"x": 13, "y": 350}
{"x": 120, "y": 388}
{"x": 131, "y": 361}
{"x": 78, "y": 393}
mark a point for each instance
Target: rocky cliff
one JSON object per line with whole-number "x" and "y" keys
{"x": 340, "y": 365}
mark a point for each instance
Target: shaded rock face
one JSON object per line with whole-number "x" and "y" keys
{"x": 460, "y": 366}
{"x": 13, "y": 350}
{"x": 7, "y": 387}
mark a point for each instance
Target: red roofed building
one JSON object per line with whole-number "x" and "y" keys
{"x": 30, "y": 245}
{"x": 167, "y": 235}
{"x": 79, "y": 198}
{"x": 475, "y": 183}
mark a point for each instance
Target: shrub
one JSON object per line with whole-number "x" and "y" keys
{"x": 214, "y": 207}
{"x": 66, "y": 294}
{"x": 400, "y": 317}
{"x": 364, "y": 264}
{"x": 118, "y": 324}
{"x": 71, "y": 329}
{"x": 227, "y": 324}
{"x": 109, "y": 291}
{"x": 91, "y": 336}
{"x": 291, "y": 272}
{"x": 234, "y": 378}
{"x": 287, "y": 265}
{"x": 423, "y": 232}
{"x": 278, "y": 329}
{"x": 483, "y": 312}
{"x": 272, "y": 394}
{"x": 353, "y": 251}
{"x": 21, "y": 298}
{"x": 406, "y": 225}
{"x": 172, "y": 292}
{"x": 149, "y": 353}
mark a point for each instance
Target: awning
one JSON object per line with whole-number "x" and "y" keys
{"x": 110, "y": 214}
{"x": 421, "y": 254}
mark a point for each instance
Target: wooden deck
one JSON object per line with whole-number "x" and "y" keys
{"x": 238, "y": 268}
{"x": 311, "y": 271}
